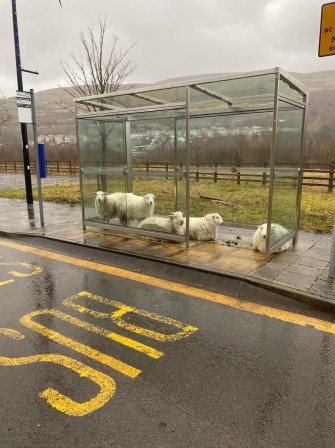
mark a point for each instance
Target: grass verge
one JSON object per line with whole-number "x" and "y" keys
{"x": 317, "y": 206}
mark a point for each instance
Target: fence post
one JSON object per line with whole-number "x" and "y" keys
{"x": 331, "y": 177}
{"x": 57, "y": 166}
{"x": 264, "y": 177}
{"x": 197, "y": 172}
{"x": 147, "y": 166}
{"x": 70, "y": 165}
{"x": 5, "y": 166}
{"x": 167, "y": 170}
{"x": 215, "y": 172}
{"x": 15, "y": 166}
{"x": 238, "y": 175}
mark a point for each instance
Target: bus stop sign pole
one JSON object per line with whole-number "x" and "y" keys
{"x": 327, "y": 48}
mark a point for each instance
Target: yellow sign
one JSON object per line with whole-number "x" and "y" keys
{"x": 327, "y": 30}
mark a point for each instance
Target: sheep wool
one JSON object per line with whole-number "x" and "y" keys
{"x": 205, "y": 228}
{"x": 259, "y": 237}
{"x": 172, "y": 224}
{"x": 105, "y": 206}
{"x": 130, "y": 207}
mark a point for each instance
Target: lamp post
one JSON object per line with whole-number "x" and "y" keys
{"x": 24, "y": 133}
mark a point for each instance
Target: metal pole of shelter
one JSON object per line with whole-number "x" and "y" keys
{"x": 38, "y": 171}
{"x": 24, "y": 133}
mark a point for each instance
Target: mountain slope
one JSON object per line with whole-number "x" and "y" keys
{"x": 53, "y": 119}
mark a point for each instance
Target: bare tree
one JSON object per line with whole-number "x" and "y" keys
{"x": 98, "y": 70}
{"x": 102, "y": 68}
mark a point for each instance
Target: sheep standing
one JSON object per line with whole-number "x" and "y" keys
{"x": 259, "y": 237}
{"x": 205, "y": 228}
{"x": 130, "y": 207}
{"x": 172, "y": 224}
{"x": 105, "y": 205}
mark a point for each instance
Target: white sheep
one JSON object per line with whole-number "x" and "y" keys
{"x": 205, "y": 228}
{"x": 105, "y": 206}
{"x": 259, "y": 237}
{"x": 130, "y": 207}
{"x": 172, "y": 224}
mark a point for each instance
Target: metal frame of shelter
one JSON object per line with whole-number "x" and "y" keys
{"x": 272, "y": 91}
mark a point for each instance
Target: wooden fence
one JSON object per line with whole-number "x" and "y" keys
{"x": 320, "y": 176}
{"x": 57, "y": 168}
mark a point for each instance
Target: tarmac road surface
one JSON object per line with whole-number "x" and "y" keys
{"x": 100, "y": 350}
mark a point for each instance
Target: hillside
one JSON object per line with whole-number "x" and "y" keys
{"x": 53, "y": 119}
{"x": 54, "y": 113}
{"x": 321, "y": 114}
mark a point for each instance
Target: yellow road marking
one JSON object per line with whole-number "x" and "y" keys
{"x": 285, "y": 316}
{"x": 52, "y": 396}
{"x": 34, "y": 269}
{"x": 5, "y": 282}
{"x": 186, "y": 330}
{"x": 120, "y": 366}
{"x": 152, "y": 352}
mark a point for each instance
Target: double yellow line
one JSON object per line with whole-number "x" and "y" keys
{"x": 250, "y": 307}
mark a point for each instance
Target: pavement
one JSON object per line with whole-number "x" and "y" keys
{"x": 301, "y": 273}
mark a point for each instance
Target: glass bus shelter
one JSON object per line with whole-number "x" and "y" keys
{"x": 226, "y": 144}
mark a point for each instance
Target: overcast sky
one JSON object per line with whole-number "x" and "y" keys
{"x": 173, "y": 37}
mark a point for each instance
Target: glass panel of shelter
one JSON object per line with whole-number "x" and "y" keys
{"x": 157, "y": 155}
{"x": 102, "y": 160}
{"x": 140, "y": 153}
{"x": 229, "y": 157}
{"x": 229, "y": 163}
{"x": 286, "y": 170}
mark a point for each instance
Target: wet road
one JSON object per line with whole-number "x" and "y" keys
{"x": 98, "y": 351}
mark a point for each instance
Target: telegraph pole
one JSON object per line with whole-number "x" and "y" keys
{"x": 24, "y": 133}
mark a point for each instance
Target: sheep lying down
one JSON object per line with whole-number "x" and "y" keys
{"x": 172, "y": 224}
{"x": 205, "y": 228}
{"x": 259, "y": 237}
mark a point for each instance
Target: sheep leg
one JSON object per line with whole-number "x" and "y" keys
{"x": 123, "y": 220}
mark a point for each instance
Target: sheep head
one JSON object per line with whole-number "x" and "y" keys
{"x": 262, "y": 230}
{"x": 100, "y": 197}
{"x": 150, "y": 199}
{"x": 177, "y": 217}
{"x": 218, "y": 221}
